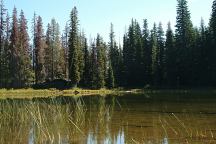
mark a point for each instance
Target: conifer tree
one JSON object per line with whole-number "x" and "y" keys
{"x": 34, "y": 21}
{"x": 93, "y": 66}
{"x": 26, "y": 74}
{"x": 184, "y": 43}
{"x": 100, "y": 62}
{"x": 48, "y": 54}
{"x": 110, "y": 77}
{"x": 87, "y": 67}
{"x": 74, "y": 73}
{"x": 14, "y": 44}
{"x": 170, "y": 58}
{"x": 161, "y": 54}
{"x": 2, "y": 39}
{"x": 154, "y": 55}
{"x": 146, "y": 53}
{"x": 139, "y": 64}
{"x": 6, "y": 77}
{"x": 114, "y": 54}
{"x": 212, "y": 54}
{"x": 39, "y": 52}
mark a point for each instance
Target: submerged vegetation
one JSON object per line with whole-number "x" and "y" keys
{"x": 108, "y": 119}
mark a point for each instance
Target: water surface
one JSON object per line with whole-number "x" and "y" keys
{"x": 141, "y": 118}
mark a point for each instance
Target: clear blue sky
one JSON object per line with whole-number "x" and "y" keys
{"x": 96, "y": 15}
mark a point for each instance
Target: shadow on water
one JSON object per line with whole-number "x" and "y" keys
{"x": 152, "y": 118}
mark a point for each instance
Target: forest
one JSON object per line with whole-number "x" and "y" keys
{"x": 184, "y": 57}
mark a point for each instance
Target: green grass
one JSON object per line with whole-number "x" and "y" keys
{"x": 31, "y": 93}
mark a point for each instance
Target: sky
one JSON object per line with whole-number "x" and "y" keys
{"x": 95, "y": 16}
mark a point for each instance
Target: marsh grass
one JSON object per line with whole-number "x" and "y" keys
{"x": 31, "y": 93}
{"x": 99, "y": 119}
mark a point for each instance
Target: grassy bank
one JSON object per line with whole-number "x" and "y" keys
{"x": 31, "y": 93}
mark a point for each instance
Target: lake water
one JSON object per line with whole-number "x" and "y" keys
{"x": 150, "y": 118}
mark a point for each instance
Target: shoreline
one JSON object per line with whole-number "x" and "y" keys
{"x": 30, "y": 93}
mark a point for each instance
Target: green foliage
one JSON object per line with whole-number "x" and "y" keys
{"x": 115, "y": 56}
{"x": 39, "y": 52}
{"x": 74, "y": 69}
{"x": 185, "y": 58}
{"x": 184, "y": 43}
{"x": 110, "y": 78}
{"x": 170, "y": 59}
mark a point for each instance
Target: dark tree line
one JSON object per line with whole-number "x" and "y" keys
{"x": 148, "y": 57}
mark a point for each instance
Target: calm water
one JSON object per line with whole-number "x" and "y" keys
{"x": 157, "y": 118}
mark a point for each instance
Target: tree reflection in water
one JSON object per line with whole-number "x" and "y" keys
{"x": 110, "y": 119}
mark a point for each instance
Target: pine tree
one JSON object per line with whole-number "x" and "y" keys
{"x": 110, "y": 77}
{"x": 146, "y": 53}
{"x": 100, "y": 62}
{"x": 93, "y": 66}
{"x": 184, "y": 43}
{"x": 54, "y": 53}
{"x": 161, "y": 54}
{"x": 170, "y": 59}
{"x": 2, "y": 43}
{"x": 212, "y": 54}
{"x": 203, "y": 60}
{"x": 6, "y": 77}
{"x": 14, "y": 44}
{"x": 57, "y": 52}
{"x": 65, "y": 37}
{"x": 26, "y": 74}
{"x": 114, "y": 55}
{"x": 81, "y": 49}
{"x": 74, "y": 73}
{"x": 154, "y": 55}
{"x": 39, "y": 52}
{"x": 48, "y": 54}
{"x": 139, "y": 64}
{"x": 34, "y": 21}
{"x": 129, "y": 51}
{"x": 87, "y": 67}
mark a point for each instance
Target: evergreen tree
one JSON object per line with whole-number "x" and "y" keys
{"x": 100, "y": 62}
{"x": 74, "y": 73}
{"x": 114, "y": 55}
{"x": 26, "y": 74}
{"x": 14, "y": 44}
{"x": 129, "y": 51}
{"x": 139, "y": 56}
{"x": 87, "y": 67}
{"x": 110, "y": 77}
{"x": 203, "y": 58}
{"x": 81, "y": 49}
{"x": 34, "y": 22}
{"x": 39, "y": 52}
{"x": 184, "y": 43}
{"x": 146, "y": 54}
{"x": 2, "y": 41}
{"x": 65, "y": 37}
{"x": 170, "y": 58}
{"x": 57, "y": 52}
{"x": 212, "y": 54}
{"x": 93, "y": 66}
{"x": 154, "y": 55}
{"x": 5, "y": 73}
{"x": 161, "y": 54}
{"x": 54, "y": 53}
{"x": 48, "y": 54}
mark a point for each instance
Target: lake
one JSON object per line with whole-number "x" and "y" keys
{"x": 142, "y": 118}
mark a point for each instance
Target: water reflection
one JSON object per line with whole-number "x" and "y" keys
{"x": 99, "y": 119}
